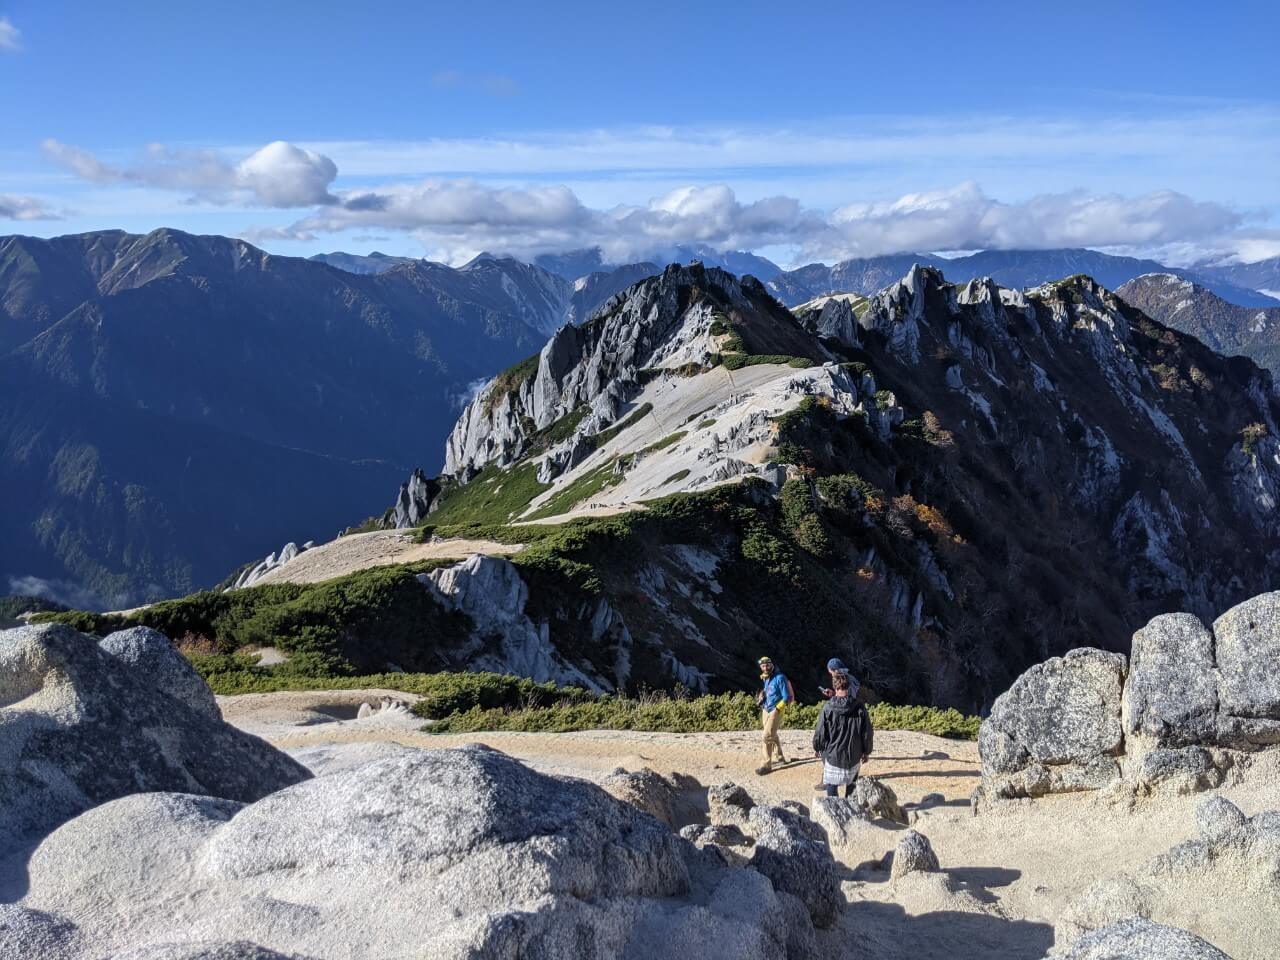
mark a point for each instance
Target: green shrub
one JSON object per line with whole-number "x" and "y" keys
{"x": 705, "y": 714}
{"x": 736, "y": 361}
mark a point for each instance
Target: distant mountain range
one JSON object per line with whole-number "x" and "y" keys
{"x": 1229, "y": 329}
{"x": 1249, "y": 285}
{"x": 171, "y": 405}
{"x": 1019, "y": 269}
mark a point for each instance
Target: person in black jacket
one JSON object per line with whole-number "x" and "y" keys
{"x": 843, "y": 737}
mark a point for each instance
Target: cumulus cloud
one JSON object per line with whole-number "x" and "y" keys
{"x": 13, "y": 207}
{"x": 456, "y": 218}
{"x": 10, "y": 37}
{"x": 279, "y": 175}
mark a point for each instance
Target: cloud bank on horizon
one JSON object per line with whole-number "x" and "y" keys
{"x": 550, "y": 193}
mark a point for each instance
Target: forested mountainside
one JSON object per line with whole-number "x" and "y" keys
{"x": 1224, "y": 327}
{"x": 171, "y": 404}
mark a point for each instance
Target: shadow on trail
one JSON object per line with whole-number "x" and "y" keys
{"x": 887, "y": 932}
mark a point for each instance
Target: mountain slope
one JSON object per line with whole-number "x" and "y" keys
{"x": 1263, "y": 276}
{"x": 371, "y": 263}
{"x": 201, "y": 377}
{"x": 941, "y": 484}
{"x": 1225, "y": 327}
{"x": 1011, "y": 268}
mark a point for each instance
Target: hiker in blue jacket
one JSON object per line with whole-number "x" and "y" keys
{"x": 774, "y": 696}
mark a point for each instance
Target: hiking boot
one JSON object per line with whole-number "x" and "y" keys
{"x": 761, "y": 771}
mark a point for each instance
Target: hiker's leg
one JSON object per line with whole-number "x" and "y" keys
{"x": 772, "y": 745}
{"x": 765, "y": 728}
{"x": 848, "y": 789}
{"x": 831, "y": 789}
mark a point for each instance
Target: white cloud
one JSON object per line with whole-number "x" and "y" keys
{"x": 279, "y": 175}
{"x": 10, "y": 36}
{"x": 965, "y": 218}
{"x": 636, "y": 192}
{"x": 14, "y": 207}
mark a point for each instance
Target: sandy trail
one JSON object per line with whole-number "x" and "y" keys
{"x": 359, "y": 551}
{"x": 1012, "y": 873}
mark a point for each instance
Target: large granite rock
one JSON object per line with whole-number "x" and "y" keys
{"x": 1171, "y": 693}
{"x": 510, "y": 863}
{"x": 797, "y": 860}
{"x": 81, "y": 724}
{"x": 1140, "y": 939}
{"x": 1248, "y": 649}
{"x": 1057, "y": 729}
{"x": 149, "y": 653}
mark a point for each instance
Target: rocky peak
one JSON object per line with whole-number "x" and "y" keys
{"x": 662, "y": 323}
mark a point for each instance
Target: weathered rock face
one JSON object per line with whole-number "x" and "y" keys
{"x": 597, "y": 365}
{"x": 514, "y": 863}
{"x": 81, "y": 724}
{"x": 1190, "y": 701}
{"x": 1057, "y": 728}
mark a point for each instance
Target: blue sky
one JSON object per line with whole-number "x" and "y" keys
{"x": 809, "y": 132}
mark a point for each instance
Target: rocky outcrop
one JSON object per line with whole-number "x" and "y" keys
{"x": 492, "y": 593}
{"x": 645, "y": 790}
{"x": 255, "y": 572}
{"x": 513, "y": 863}
{"x": 83, "y": 723}
{"x": 416, "y": 500}
{"x": 1057, "y": 728}
{"x": 1176, "y": 718}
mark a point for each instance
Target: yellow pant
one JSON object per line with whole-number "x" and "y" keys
{"x": 771, "y": 722}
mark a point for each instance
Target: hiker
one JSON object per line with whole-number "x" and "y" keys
{"x": 842, "y": 738}
{"x": 773, "y": 697}
{"x": 836, "y": 666}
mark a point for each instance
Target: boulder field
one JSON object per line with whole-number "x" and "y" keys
{"x": 138, "y": 824}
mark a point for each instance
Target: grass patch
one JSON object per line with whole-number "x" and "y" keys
{"x": 675, "y": 477}
{"x": 587, "y": 485}
{"x": 703, "y": 424}
{"x": 495, "y": 496}
{"x": 665, "y": 442}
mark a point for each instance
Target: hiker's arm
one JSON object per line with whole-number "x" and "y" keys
{"x": 868, "y": 733}
{"x": 820, "y": 733}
